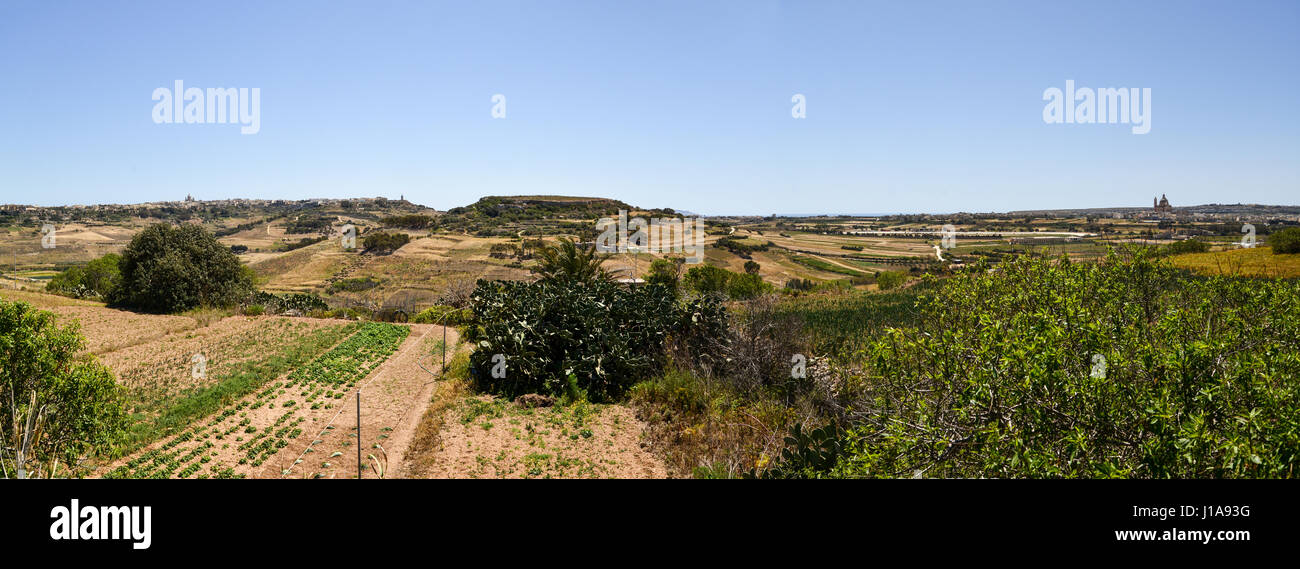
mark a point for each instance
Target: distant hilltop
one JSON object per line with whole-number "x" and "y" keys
{"x": 1163, "y": 207}
{"x": 190, "y": 203}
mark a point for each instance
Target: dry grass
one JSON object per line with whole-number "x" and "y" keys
{"x": 1255, "y": 262}
{"x": 428, "y": 435}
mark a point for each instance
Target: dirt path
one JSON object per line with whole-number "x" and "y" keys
{"x": 392, "y": 399}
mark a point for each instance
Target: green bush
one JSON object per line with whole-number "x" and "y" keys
{"x": 1286, "y": 241}
{"x": 1188, "y": 246}
{"x": 1048, "y": 368}
{"x": 666, "y": 272}
{"x": 384, "y": 242}
{"x": 604, "y": 334}
{"x": 742, "y": 286}
{"x": 303, "y": 303}
{"x": 352, "y": 285}
{"x": 708, "y": 279}
{"x": 61, "y": 406}
{"x": 100, "y": 278}
{"x": 888, "y": 280}
{"x": 442, "y": 314}
{"x": 167, "y": 268}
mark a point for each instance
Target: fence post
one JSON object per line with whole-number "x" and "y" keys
{"x": 358, "y": 433}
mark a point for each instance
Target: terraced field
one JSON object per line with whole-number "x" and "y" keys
{"x": 244, "y": 433}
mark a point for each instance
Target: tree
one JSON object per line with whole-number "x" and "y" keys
{"x": 56, "y": 406}
{"x": 1285, "y": 241}
{"x": 169, "y": 269}
{"x": 667, "y": 272}
{"x": 383, "y": 242}
{"x": 99, "y": 278}
{"x": 891, "y": 279}
{"x": 565, "y": 261}
{"x": 707, "y": 279}
{"x": 752, "y": 267}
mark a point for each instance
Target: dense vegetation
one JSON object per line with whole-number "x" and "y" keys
{"x": 559, "y": 336}
{"x": 1286, "y": 241}
{"x": 58, "y": 407}
{"x": 1044, "y": 368}
{"x": 167, "y": 268}
{"x": 411, "y": 221}
{"x": 100, "y": 278}
{"x": 384, "y": 242}
{"x": 1187, "y": 246}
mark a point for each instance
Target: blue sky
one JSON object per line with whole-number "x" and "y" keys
{"x": 911, "y": 106}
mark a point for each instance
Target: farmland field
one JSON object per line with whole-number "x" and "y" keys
{"x": 1254, "y": 262}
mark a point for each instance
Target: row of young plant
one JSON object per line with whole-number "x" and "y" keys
{"x": 326, "y": 378}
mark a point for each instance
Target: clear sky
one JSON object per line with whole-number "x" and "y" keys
{"x": 912, "y": 106}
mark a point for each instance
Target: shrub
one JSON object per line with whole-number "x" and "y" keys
{"x": 352, "y": 285}
{"x": 605, "y": 335}
{"x": 384, "y": 242}
{"x": 1048, "y": 368}
{"x": 1286, "y": 241}
{"x": 171, "y": 269}
{"x": 707, "y": 279}
{"x": 888, "y": 280}
{"x": 441, "y": 314}
{"x": 413, "y": 221}
{"x": 100, "y": 278}
{"x": 1188, "y": 246}
{"x": 60, "y": 406}
{"x": 302, "y": 303}
{"x": 746, "y": 286}
{"x": 666, "y": 272}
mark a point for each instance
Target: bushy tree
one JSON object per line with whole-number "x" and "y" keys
{"x": 602, "y": 335}
{"x": 57, "y": 406}
{"x": 707, "y": 279}
{"x": 1120, "y": 368}
{"x": 1285, "y": 241}
{"x": 167, "y": 268}
{"x": 100, "y": 278}
{"x": 888, "y": 280}
{"x": 1188, "y": 246}
{"x": 666, "y": 272}
{"x": 383, "y": 242}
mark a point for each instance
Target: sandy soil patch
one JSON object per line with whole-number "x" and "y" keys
{"x": 486, "y": 437}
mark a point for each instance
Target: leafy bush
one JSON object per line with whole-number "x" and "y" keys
{"x": 606, "y": 335}
{"x": 1286, "y": 241}
{"x": 441, "y": 314}
{"x": 302, "y": 303}
{"x": 1188, "y": 246}
{"x": 412, "y": 221}
{"x": 888, "y": 280}
{"x": 1048, "y": 368}
{"x": 666, "y": 272}
{"x": 169, "y": 269}
{"x": 60, "y": 405}
{"x": 352, "y": 285}
{"x": 745, "y": 286}
{"x": 98, "y": 279}
{"x": 384, "y": 242}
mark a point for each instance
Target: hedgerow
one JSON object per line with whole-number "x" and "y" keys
{"x": 1048, "y": 368}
